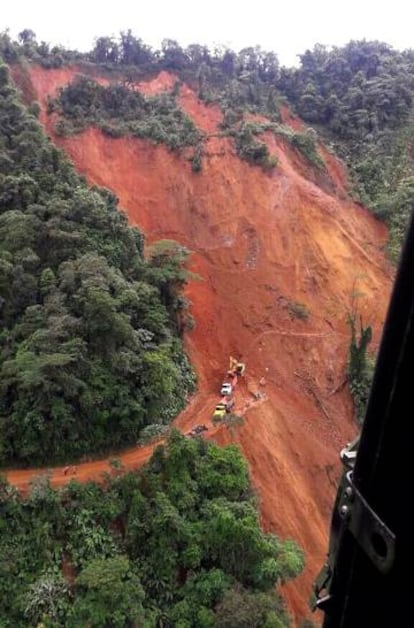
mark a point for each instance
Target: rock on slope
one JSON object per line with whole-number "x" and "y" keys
{"x": 268, "y": 247}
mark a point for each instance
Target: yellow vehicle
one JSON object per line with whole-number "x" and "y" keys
{"x": 224, "y": 407}
{"x": 236, "y": 367}
{"x": 220, "y": 411}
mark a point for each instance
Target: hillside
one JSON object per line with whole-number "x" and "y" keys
{"x": 280, "y": 255}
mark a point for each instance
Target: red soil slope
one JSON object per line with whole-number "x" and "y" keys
{"x": 262, "y": 243}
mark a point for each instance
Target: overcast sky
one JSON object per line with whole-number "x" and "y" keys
{"x": 288, "y": 28}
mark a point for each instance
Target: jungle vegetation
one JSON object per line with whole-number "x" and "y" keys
{"x": 178, "y": 544}
{"x": 118, "y": 110}
{"x": 91, "y": 359}
{"x": 358, "y": 98}
{"x": 361, "y": 365}
{"x": 90, "y": 341}
{"x": 90, "y": 348}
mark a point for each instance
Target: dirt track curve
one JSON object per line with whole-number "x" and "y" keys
{"x": 263, "y": 243}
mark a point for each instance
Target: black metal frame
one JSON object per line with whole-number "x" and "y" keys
{"x": 366, "y": 581}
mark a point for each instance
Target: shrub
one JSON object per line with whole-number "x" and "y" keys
{"x": 153, "y": 432}
{"x": 298, "y": 310}
{"x": 118, "y": 110}
{"x": 360, "y": 366}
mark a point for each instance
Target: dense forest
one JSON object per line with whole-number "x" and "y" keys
{"x": 358, "y": 98}
{"x": 177, "y": 545}
{"x": 90, "y": 330}
{"x": 91, "y": 358}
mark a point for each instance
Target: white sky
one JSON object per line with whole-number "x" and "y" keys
{"x": 288, "y": 28}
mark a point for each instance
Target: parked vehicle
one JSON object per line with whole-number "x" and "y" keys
{"x": 226, "y": 389}
{"x": 198, "y": 429}
{"x": 224, "y": 407}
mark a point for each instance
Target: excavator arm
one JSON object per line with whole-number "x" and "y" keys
{"x": 236, "y": 367}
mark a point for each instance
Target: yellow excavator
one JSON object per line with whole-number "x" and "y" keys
{"x": 236, "y": 368}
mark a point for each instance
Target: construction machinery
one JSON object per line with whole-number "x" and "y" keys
{"x": 219, "y": 412}
{"x": 236, "y": 368}
{"x": 224, "y": 407}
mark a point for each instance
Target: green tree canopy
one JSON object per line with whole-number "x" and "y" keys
{"x": 172, "y": 545}
{"x": 90, "y": 349}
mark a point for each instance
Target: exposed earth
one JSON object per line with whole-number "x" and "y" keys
{"x": 282, "y": 257}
